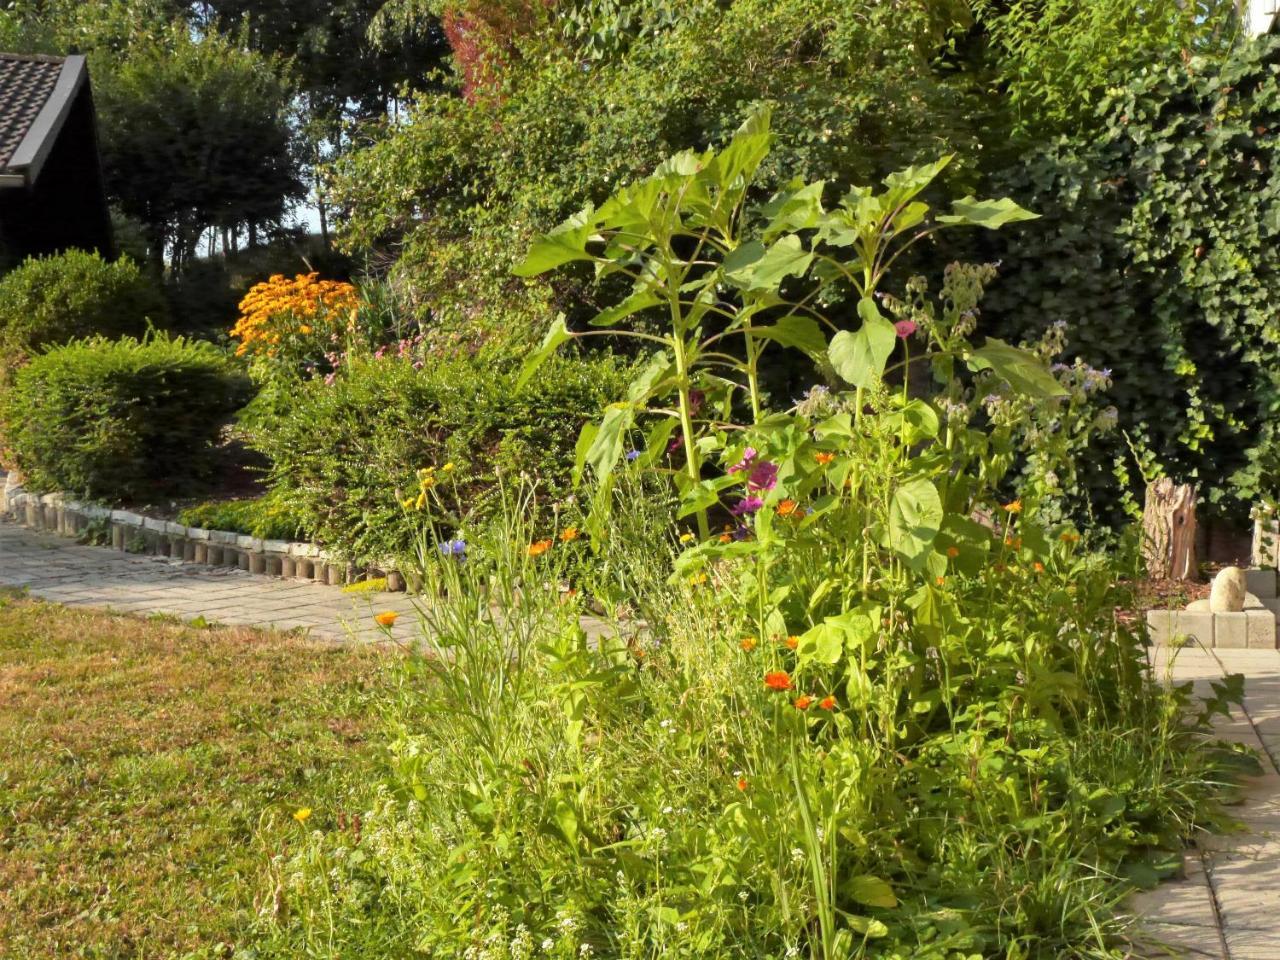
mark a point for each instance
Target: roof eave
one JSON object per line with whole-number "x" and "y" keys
{"x": 33, "y": 150}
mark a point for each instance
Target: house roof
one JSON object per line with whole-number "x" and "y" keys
{"x": 36, "y": 93}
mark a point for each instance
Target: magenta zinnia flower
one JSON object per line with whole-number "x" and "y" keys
{"x": 905, "y": 328}
{"x": 747, "y": 505}
{"x": 748, "y": 458}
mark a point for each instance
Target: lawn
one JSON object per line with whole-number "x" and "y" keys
{"x": 150, "y": 771}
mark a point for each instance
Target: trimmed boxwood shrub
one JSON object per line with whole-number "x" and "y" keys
{"x": 344, "y": 454}
{"x": 120, "y": 420}
{"x": 50, "y": 300}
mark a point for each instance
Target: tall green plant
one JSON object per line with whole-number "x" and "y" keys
{"x": 716, "y": 268}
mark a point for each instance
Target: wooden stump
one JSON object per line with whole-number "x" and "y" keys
{"x": 1169, "y": 530}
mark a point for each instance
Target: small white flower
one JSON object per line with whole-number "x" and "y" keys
{"x": 793, "y": 951}
{"x": 548, "y": 945}
{"x": 665, "y": 724}
{"x": 797, "y": 855}
{"x": 668, "y": 809}
{"x": 742, "y": 895}
{"x": 584, "y": 950}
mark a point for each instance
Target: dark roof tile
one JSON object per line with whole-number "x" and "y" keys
{"x": 25, "y": 85}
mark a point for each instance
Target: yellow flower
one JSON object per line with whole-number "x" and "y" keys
{"x": 448, "y": 467}
{"x": 1014, "y": 506}
{"x": 408, "y": 502}
{"x": 387, "y": 618}
{"x": 686, "y": 538}
{"x": 301, "y": 814}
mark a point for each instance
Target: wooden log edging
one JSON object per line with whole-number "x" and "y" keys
{"x": 132, "y": 532}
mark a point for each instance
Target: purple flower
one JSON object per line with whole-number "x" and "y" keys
{"x": 764, "y": 476}
{"x": 746, "y": 505}
{"x": 904, "y": 328}
{"x": 675, "y": 444}
{"x": 696, "y": 399}
{"x": 453, "y": 548}
{"x": 740, "y": 533}
{"x": 748, "y": 457}
{"x": 633, "y": 455}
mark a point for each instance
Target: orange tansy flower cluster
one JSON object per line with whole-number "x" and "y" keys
{"x": 280, "y": 306}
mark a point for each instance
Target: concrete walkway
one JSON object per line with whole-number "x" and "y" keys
{"x": 58, "y": 569}
{"x": 1228, "y": 906}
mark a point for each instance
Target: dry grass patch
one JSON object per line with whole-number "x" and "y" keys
{"x": 149, "y": 770}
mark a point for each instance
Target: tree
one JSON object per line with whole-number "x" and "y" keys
{"x": 196, "y": 133}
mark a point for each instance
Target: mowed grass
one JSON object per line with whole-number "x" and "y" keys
{"x": 150, "y": 770}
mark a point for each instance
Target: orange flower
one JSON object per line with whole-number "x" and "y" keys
{"x": 803, "y": 702}
{"x": 747, "y": 643}
{"x": 953, "y": 552}
{"x": 569, "y": 533}
{"x": 387, "y": 618}
{"x": 725, "y": 538}
{"x": 792, "y": 642}
{"x": 788, "y": 508}
{"x": 539, "y": 547}
{"x": 1038, "y": 567}
{"x": 777, "y": 680}
{"x": 742, "y": 783}
{"x": 824, "y": 458}
{"x": 827, "y": 703}
{"x": 1014, "y": 506}
{"x": 1069, "y": 537}
{"x": 940, "y": 580}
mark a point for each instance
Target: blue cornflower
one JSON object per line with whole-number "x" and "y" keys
{"x": 632, "y": 455}
{"x": 453, "y": 548}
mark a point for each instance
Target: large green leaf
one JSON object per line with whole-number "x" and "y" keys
{"x": 903, "y": 185}
{"x": 606, "y": 446}
{"x": 637, "y": 301}
{"x": 915, "y": 516}
{"x": 557, "y": 334}
{"x": 750, "y": 269}
{"x": 860, "y": 357}
{"x": 799, "y": 333}
{"x": 991, "y": 214}
{"x": 563, "y": 244}
{"x": 1022, "y": 369}
{"x": 870, "y": 892}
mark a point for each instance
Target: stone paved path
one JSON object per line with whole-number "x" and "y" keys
{"x": 1228, "y": 907}
{"x": 54, "y": 568}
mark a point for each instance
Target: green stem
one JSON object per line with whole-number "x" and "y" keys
{"x": 692, "y": 466}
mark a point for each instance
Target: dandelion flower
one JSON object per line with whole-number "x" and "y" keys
{"x": 301, "y": 814}
{"x": 387, "y": 618}
{"x": 539, "y": 547}
{"x": 448, "y": 467}
{"x": 686, "y": 538}
{"x": 777, "y": 680}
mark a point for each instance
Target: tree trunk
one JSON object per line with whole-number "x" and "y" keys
{"x": 1169, "y": 530}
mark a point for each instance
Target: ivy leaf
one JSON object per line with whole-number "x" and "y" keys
{"x": 564, "y": 244}
{"x": 1022, "y": 369}
{"x": 860, "y": 357}
{"x": 557, "y": 334}
{"x": 992, "y": 214}
{"x": 915, "y": 516}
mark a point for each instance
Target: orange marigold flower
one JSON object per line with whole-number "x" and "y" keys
{"x": 953, "y": 552}
{"x": 747, "y": 643}
{"x": 387, "y": 618}
{"x": 803, "y": 702}
{"x": 788, "y": 508}
{"x": 1014, "y": 506}
{"x": 539, "y": 547}
{"x": 824, "y": 458}
{"x": 569, "y": 533}
{"x": 792, "y": 642}
{"x": 827, "y": 703}
{"x": 777, "y": 680}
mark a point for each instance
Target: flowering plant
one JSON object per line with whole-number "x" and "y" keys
{"x": 278, "y": 312}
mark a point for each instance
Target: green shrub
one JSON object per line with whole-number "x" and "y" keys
{"x": 268, "y": 516}
{"x": 345, "y": 455}
{"x": 123, "y": 419}
{"x": 50, "y": 300}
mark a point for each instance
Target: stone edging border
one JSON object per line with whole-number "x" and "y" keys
{"x": 136, "y": 533}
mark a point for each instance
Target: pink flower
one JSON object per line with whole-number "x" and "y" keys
{"x": 748, "y": 457}
{"x": 905, "y": 328}
{"x": 764, "y": 476}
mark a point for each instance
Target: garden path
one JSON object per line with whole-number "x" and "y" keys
{"x": 55, "y": 568}
{"x": 1228, "y": 906}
